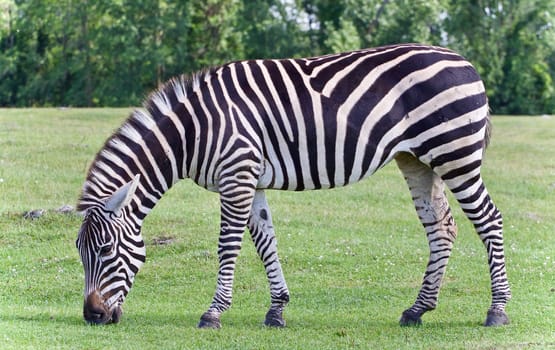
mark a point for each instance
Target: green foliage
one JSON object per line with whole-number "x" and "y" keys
{"x": 381, "y": 22}
{"x": 108, "y": 52}
{"x": 511, "y": 44}
{"x": 212, "y": 37}
{"x": 112, "y": 53}
{"x": 272, "y": 29}
{"x": 353, "y": 257}
{"x": 345, "y": 38}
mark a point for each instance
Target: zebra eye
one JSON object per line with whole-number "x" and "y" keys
{"x": 106, "y": 249}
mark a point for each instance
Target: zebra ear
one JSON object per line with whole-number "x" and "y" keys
{"x": 122, "y": 197}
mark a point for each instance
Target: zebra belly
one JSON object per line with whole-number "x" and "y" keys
{"x": 274, "y": 176}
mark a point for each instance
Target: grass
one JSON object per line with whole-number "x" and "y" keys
{"x": 353, "y": 257}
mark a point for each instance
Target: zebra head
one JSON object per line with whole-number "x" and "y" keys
{"x": 112, "y": 251}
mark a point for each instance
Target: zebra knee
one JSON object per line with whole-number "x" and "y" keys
{"x": 448, "y": 225}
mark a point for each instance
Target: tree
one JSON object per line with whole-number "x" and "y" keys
{"x": 212, "y": 35}
{"x": 274, "y": 29}
{"x": 113, "y": 52}
{"x": 380, "y": 22}
{"x": 8, "y": 61}
{"x": 27, "y": 74}
{"x": 511, "y": 43}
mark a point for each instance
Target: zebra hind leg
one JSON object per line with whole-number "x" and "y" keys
{"x": 427, "y": 190}
{"x": 262, "y": 233}
{"x": 476, "y": 203}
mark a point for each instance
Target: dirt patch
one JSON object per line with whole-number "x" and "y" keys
{"x": 163, "y": 240}
{"x": 34, "y": 214}
{"x": 38, "y": 213}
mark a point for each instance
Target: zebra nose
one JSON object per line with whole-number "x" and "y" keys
{"x": 94, "y": 310}
{"x": 94, "y": 315}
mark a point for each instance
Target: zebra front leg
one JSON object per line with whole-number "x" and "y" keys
{"x": 427, "y": 190}
{"x": 263, "y": 236}
{"x": 236, "y": 203}
{"x": 229, "y": 246}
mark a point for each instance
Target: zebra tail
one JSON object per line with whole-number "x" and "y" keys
{"x": 489, "y": 128}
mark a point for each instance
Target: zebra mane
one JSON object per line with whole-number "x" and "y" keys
{"x": 101, "y": 180}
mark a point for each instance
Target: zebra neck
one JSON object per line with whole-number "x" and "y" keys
{"x": 161, "y": 143}
{"x": 140, "y": 147}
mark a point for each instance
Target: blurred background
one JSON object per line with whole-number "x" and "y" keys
{"x": 113, "y": 52}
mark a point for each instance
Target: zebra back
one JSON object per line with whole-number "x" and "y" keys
{"x": 312, "y": 123}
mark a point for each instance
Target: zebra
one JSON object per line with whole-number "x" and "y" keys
{"x": 294, "y": 124}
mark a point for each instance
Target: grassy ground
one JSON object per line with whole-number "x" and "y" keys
{"x": 353, "y": 257}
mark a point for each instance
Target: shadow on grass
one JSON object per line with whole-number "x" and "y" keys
{"x": 46, "y": 319}
{"x": 235, "y": 320}
{"x": 43, "y": 318}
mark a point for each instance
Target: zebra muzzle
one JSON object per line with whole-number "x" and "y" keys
{"x": 95, "y": 310}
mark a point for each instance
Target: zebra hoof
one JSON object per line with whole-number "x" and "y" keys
{"x": 410, "y": 319}
{"x": 210, "y": 320}
{"x": 496, "y": 317}
{"x": 274, "y": 318}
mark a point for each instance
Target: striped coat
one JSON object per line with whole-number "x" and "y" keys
{"x": 299, "y": 124}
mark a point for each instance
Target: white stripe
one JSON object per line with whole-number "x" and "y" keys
{"x": 300, "y": 121}
{"x": 192, "y": 171}
{"x": 163, "y": 104}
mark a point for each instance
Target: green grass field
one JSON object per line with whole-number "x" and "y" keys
{"x": 353, "y": 257}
